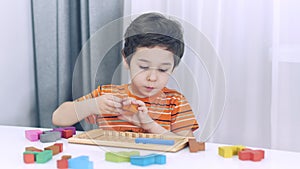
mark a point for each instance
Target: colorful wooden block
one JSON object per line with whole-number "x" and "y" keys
{"x": 62, "y": 164}
{"x": 28, "y": 158}
{"x": 67, "y": 133}
{"x": 60, "y": 129}
{"x": 43, "y": 157}
{"x": 81, "y": 162}
{"x": 121, "y": 156}
{"x": 148, "y": 159}
{"x": 71, "y": 128}
{"x": 60, "y": 145}
{"x": 66, "y": 157}
{"x": 195, "y": 146}
{"x": 130, "y": 109}
{"x": 50, "y": 136}
{"x": 55, "y": 149}
{"x": 154, "y": 141}
{"x": 229, "y": 151}
{"x": 253, "y": 155}
{"x": 31, "y": 148}
{"x": 33, "y": 135}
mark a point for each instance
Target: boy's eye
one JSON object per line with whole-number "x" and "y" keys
{"x": 162, "y": 70}
{"x": 144, "y": 67}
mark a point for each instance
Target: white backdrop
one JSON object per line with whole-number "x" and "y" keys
{"x": 258, "y": 44}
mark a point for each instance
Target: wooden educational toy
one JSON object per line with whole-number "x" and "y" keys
{"x": 154, "y": 141}
{"x": 51, "y": 136}
{"x": 148, "y": 159}
{"x": 81, "y": 162}
{"x": 229, "y": 151}
{"x": 31, "y": 148}
{"x": 33, "y": 154}
{"x": 127, "y": 140}
{"x": 253, "y": 155}
{"x": 43, "y": 157}
{"x": 195, "y": 146}
{"x": 33, "y": 135}
{"x": 122, "y": 156}
{"x": 130, "y": 109}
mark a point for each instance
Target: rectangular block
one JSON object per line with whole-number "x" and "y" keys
{"x": 33, "y": 135}
{"x": 43, "y": 157}
{"x": 154, "y": 141}
{"x": 50, "y": 137}
{"x": 81, "y": 162}
{"x": 121, "y": 156}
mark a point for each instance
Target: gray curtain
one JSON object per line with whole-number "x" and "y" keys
{"x": 63, "y": 70}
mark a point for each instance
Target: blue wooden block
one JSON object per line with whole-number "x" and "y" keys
{"x": 154, "y": 141}
{"x": 160, "y": 159}
{"x": 81, "y": 162}
{"x": 148, "y": 159}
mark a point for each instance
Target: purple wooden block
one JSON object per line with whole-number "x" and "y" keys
{"x": 71, "y": 128}
{"x": 33, "y": 135}
{"x": 59, "y": 130}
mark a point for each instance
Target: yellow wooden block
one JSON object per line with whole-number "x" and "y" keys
{"x": 229, "y": 151}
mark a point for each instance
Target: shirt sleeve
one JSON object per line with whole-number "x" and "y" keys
{"x": 183, "y": 117}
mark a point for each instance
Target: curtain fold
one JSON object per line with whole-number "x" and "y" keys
{"x": 61, "y": 28}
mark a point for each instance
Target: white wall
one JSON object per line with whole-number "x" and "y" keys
{"x": 17, "y": 87}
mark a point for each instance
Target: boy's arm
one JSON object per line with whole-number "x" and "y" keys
{"x": 70, "y": 113}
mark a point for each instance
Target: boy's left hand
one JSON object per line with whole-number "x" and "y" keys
{"x": 139, "y": 118}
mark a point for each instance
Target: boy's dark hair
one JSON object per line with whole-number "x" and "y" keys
{"x": 153, "y": 29}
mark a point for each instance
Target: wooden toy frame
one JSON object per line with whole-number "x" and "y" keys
{"x": 127, "y": 140}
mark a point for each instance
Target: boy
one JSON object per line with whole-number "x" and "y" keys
{"x": 153, "y": 48}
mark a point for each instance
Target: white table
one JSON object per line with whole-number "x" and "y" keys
{"x": 13, "y": 143}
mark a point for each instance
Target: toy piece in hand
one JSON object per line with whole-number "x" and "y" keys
{"x": 130, "y": 109}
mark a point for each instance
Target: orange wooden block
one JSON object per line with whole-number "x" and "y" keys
{"x": 28, "y": 158}
{"x": 62, "y": 164}
{"x": 130, "y": 109}
{"x": 253, "y": 155}
{"x": 55, "y": 149}
{"x": 195, "y": 146}
{"x": 33, "y": 149}
{"x": 67, "y": 133}
{"x": 66, "y": 157}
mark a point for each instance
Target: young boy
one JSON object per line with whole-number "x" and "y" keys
{"x": 153, "y": 48}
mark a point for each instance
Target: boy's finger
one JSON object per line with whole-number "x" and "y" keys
{"x": 114, "y": 104}
{"x": 113, "y": 98}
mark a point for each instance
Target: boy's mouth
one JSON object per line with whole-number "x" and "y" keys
{"x": 149, "y": 88}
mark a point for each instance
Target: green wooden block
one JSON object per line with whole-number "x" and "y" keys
{"x": 43, "y": 157}
{"x": 121, "y": 156}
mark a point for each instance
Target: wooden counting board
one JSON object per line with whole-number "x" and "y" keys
{"x": 127, "y": 140}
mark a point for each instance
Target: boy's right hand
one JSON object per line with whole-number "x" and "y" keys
{"x": 109, "y": 103}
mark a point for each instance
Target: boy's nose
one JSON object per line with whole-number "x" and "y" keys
{"x": 152, "y": 76}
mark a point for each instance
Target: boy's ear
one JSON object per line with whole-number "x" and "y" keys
{"x": 126, "y": 65}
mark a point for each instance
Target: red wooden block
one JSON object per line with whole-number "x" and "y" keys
{"x": 67, "y": 133}
{"x": 253, "y": 155}
{"x": 60, "y": 145}
{"x": 28, "y": 158}
{"x": 62, "y": 164}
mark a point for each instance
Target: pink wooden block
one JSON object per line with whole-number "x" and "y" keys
{"x": 33, "y": 135}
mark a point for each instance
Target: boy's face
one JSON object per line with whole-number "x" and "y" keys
{"x": 150, "y": 69}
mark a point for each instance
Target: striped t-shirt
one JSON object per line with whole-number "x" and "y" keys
{"x": 169, "y": 108}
